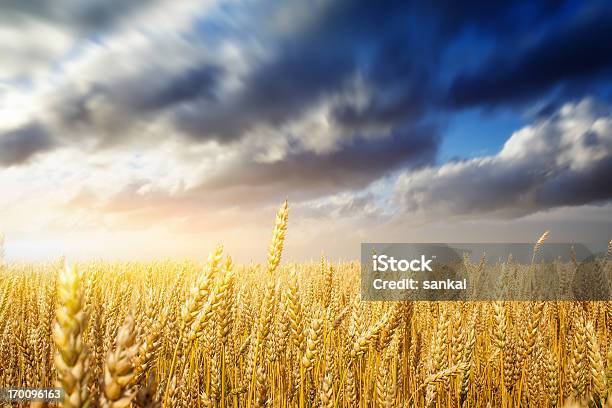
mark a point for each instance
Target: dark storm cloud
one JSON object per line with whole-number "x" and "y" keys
{"x": 403, "y": 89}
{"x": 19, "y": 145}
{"x": 308, "y": 175}
{"x": 273, "y": 95}
{"x": 498, "y": 19}
{"x": 199, "y": 82}
{"x": 579, "y": 52}
{"x": 565, "y": 160}
{"x": 395, "y": 48}
{"x": 131, "y": 101}
{"x": 578, "y": 187}
{"x": 308, "y": 65}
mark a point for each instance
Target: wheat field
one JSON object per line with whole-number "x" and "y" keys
{"x": 182, "y": 334}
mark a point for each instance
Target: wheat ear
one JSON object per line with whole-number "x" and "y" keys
{"x": 71, "y": 361}
{"x": 119, "y": 370}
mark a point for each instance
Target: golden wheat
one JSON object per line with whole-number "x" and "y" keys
{"x": 181, "y": 334}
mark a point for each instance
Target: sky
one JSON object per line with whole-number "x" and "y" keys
{"x": 140, "y": 129}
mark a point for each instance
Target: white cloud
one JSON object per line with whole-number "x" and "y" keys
{"x": 563, "y": 160}
{"x": 31, "y": 48}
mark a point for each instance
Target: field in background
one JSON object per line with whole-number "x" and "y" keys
{"x": 218, "y": 335}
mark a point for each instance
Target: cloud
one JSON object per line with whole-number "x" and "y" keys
{"x": 273, "y": 95}
{"x": 19, "y": 145}
{"x": 580, "y": 52}
{"x": 152, "y": 119}
{"x": 199, "y": 82}
{"x": 307, "y": 105}
{"x": 564, "y": 160}
{"x": 114, "y": 112}
{"x": 249, "y": 184}
{"x": 38, "y": 34}
{"x": 305, "y": 175}
{"x": 227, "y": 93}
{"x": 85, "y": 17}
{"x": 311, "y": 64}
{"x": 220, "y": 75}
